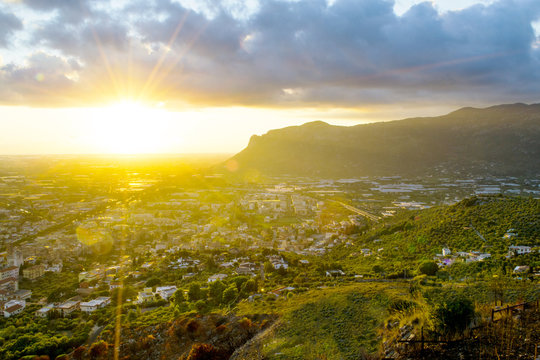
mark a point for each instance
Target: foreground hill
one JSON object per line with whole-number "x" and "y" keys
{"x": 499, "y": 140}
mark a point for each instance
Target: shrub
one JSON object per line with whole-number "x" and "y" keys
{"x": 205, "y": 352}
{"x": 428, "y": 268}
{"x": 454, "y": 315}
{"x": 98, "y": 349}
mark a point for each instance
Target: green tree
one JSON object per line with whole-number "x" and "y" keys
{"x": 194, "y": 292}
{"x": 250, "y": 286}
{"x": 178, "y": 297}
{"x": 454, "y": 315}
{"x": 230, "y": 294}
{"x": 429, "y": 268}
{"x": 216, "y": 291}
{"x": 153, "y": 281}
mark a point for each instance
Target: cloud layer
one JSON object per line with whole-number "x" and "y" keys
{"x": 346, "y": 53}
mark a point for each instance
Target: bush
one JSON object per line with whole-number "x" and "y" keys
{"x": 453, "y": 316}
{"x": 230, "y": 294}
{"x": 428, "y": 268}
{"x": 205, "y": 352}
{"x": 98, "y": 349}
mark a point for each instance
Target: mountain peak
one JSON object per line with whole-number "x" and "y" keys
{"x": 315, "y": 123}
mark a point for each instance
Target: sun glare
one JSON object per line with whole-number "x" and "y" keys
{"x": 129, "y": 128}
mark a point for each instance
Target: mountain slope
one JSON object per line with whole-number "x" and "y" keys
{"x": 499, "y": 140}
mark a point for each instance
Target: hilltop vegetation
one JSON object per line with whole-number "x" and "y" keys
{"x": 500, "y": 140}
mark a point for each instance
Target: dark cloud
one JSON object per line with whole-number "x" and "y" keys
{"x": 9, "y": 23}
{"x": 291, "y": 53}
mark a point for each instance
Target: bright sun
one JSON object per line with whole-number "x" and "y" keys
{"x": 129, "y": 128}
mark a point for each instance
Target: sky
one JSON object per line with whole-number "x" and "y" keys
{"x": 181, "y": 76}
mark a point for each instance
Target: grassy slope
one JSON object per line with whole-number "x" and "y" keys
{"x": 337, "y": 323}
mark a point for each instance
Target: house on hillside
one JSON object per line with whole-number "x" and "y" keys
{"x": 216, "y": 277}
{"x": 68, "y": 307}
{"x": 44, "y": 311}
{"x": 518, "y": 250}
{"x": 9, "y": 272}
{"x": 93, "y": 305}
{"x": 34, "y": 272}
{"x": 13, "y": 307}
{"x": 521, "y": 269}
{"x": 165, "y": 292}
{"x": 334, "y": 273}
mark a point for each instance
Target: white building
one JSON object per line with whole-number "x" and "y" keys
{"x": 14, "y": 307}
{"x": 145, "y": 296}
{"x": 216, "y": 277}
{"x": 446, "y": 252}
{"x": 44, "y": 310}
{"x": 9, "y": 272}
{"x": 165, "y": 292}
{"x": 93, "y": 305}
{"x": 519, "y": 250}
{"x": 68, "y": 307}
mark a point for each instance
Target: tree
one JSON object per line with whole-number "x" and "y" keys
{"x": 178, "y": 297}
{"x": 200, "y": 306}
{"x": 98, "y": 349}
{"x": 454, "y": 315}
{"x": 211, "y": 264}
{"x": 153, "y": 281}
{"x": 230, "y": 294}
{"x": 194, "y": 292}
{"x": 250, "y": 286}
{"x": 429, "y": 268}
{"x": 216, "y": 290}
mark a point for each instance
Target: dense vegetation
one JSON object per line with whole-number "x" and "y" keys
{"x": 413, "y": 238}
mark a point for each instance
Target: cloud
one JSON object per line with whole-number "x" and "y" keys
{"x": 282, "y": 53}
{"x": 9, "y": 23}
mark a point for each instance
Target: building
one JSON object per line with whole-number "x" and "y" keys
{"x": 34, "y": 272}
{"x": 44, "y": 311}
{"x": 93, "y": 305}
{"x": 519, "y": 250}
{"x": 145, "y": 296}
{"x": 165, "y": 292}
{"x": 9, "y": 284}
{"x": 521, "y": 269}
{"x": 446, "y": 252}
{"x": 15, "y": 257}
{"x": 115, "y": 285}
{"x": 333, "y": 273}
{"x": 14, "y": 307}
{"x": 216, "y": 277}
{"x": 23, "y": 294}
{"x": 9, "y": 272}
{"x": 91, "y": 275}
{"x": 68, "y": 307}
{"x": 56, "y": 267}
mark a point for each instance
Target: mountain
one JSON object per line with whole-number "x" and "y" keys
{"x": 498, "y": 140}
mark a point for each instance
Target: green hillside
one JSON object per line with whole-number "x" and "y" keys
{"x": 474, "y": 224}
